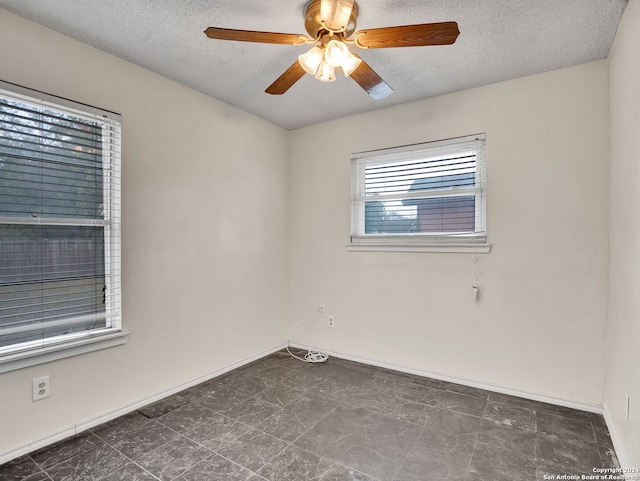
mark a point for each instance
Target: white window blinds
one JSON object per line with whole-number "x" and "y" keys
{"x": 420, "y": 193}
{"x": 59, "y": 222}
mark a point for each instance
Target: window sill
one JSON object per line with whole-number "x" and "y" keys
{"x": 382, "y": 246}
{"x": 32, "y": 357}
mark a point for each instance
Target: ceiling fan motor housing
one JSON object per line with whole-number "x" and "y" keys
{"x": 313, "y": 25}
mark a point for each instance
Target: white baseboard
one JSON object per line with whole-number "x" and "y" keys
{"x": 618, "y": 446}
{"x": 122, "y": 410}
{"x": 594, "y": 408}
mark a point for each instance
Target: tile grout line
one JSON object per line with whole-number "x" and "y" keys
{"x": 126, "y": 457}
{"x": 305, "y": 391}
{"x": 180, "y": 435}
{"x": 475, "y": 442}
{"x": 231, "y": 461}
{"x": 409, "y": 452}
{"x": 535, "y": 439}
{"x": 290, "y": 443}
{"x": 42, "y": 470}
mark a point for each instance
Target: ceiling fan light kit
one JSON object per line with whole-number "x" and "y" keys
{"x": 321, "y": 61}
{"x": 332, "y": 25}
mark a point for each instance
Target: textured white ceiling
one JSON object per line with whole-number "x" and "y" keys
{"x": 499, "y": 40}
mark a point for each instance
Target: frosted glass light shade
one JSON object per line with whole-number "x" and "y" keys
{"x": 350, "y": 63}
{"x": 325, "y": 72}
{"x": 311, "y": 60}
{"x": 336, "y": 53}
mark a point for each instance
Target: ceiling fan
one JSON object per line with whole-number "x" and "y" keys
{"x": 331, "y": 25}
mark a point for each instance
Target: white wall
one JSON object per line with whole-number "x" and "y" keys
{"x": 540, "y": 325}
{"x": 204, "y": 235}
{"x": 623, "y": 367}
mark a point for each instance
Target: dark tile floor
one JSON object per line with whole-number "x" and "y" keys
{"x": 279, "y": 419}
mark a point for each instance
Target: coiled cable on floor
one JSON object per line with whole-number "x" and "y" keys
{"x": 310, "y": 356}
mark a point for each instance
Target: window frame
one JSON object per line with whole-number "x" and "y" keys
{"x": 473, "y": 242}
{"x": 30, "y": 353}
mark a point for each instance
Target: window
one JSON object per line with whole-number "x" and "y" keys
{"x": 59, "y": 228}
{"x": 425, "y": 197}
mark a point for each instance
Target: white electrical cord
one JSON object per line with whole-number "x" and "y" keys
{"x": 310, "y": 356}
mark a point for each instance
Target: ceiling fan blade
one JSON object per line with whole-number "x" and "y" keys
{"x": 252, "y": 36}
{"x": 286, "y": 80}
{"x": 335, "y": 14}
{"x": 443, "y": 33}
{"x": 370, "y": 81}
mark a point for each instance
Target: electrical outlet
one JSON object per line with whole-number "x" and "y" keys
{"x": 331, "y": 322}
{"x": 322, "y": 307}
{"x": 41, "y": 388}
